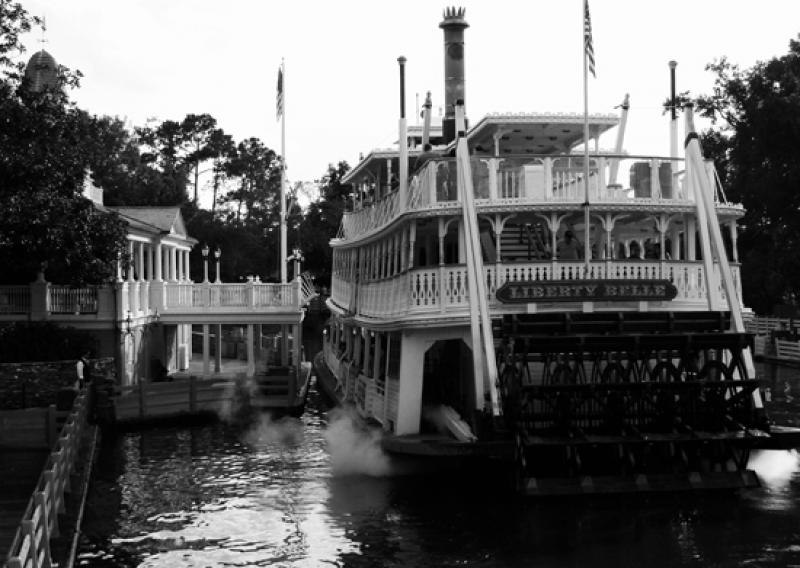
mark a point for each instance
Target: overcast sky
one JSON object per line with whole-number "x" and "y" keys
{"x": 167, "y": 58}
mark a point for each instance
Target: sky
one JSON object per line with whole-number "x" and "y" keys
{"x": 163, "y": 59}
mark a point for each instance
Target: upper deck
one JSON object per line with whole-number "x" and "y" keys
{"x": 520, "y": 161}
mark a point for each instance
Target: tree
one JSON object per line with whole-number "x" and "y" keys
{"x": 198, "y": 130}
{"x": 754, "y": 139}
{"x": 46, "y": 147}
{"x": 322, "y": 220}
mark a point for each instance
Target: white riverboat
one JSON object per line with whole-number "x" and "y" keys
{"x": 506, "y": 291}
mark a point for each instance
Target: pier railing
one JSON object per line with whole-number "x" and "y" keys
{"x": 184, "y": 297}
{"x": 31, "y": 545}
{"x": 444, "y": 289}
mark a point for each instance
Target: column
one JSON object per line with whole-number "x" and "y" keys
{"x": 218, "y": 348}
{"x": 691, "y": 239}
{"x": 173, "y": 262}
{"x": 140, "y": 262}
{"x": 149, "y": 261}
{"x": 376, "y": 369}
{"x": 131, "y": 260}
{"x": 159, "y": 263}
{"x": 206, "y": 371}
{"x": 251, "y": 365}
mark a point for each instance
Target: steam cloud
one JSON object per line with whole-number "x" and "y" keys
{"x": 353, "y": 447}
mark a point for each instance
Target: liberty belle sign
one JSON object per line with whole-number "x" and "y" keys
{"x": 585, "y": 291}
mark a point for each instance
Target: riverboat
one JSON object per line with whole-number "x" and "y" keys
{"x": 506, "y": 291}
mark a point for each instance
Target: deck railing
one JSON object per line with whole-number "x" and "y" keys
{"x": 444, "y": 289}
{"x": 530, "y": 180}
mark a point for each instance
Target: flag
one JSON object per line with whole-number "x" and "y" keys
{"x": 587, "y": 37}
{"x": 279, "y": 100}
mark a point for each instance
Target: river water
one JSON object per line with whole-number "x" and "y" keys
{"x": 316, "y": 492}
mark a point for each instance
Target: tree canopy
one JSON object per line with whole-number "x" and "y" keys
{"x": 754, "y": 141}
{"x": 47, "y": 145}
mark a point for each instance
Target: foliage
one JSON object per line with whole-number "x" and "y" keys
{"x": 754, "y": 141}
{"x": 321, "y": 222}
{"x": 43, "y": 341}
{"x": 46, "y": 146}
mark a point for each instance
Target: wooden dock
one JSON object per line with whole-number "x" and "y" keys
{"x": 279, "y": 390}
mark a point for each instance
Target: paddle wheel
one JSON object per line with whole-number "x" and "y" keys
{"x": 628, "y": 401}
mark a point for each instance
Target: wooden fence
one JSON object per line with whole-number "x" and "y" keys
{"x": 148, "y": 401}
{"x": 31, "y": 545}
{"x": 787, "y": 350}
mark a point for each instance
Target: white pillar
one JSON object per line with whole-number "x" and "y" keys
{"x": 217, "y": 348}
{"x": 173, "y": 264}
{"x": 159, "y": 263}
{"x": 140, "y": 262}
{"x": 150, "y": 274}
{"x": 131, "y": 260}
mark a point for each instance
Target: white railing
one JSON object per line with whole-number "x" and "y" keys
{"x": 15, "y": 299}
{"x": 367, "y": 219}
{"x": 444, "y": 289}
{"x": 67, "y": 300}
{"x": 181, "y": 296}
{"x": 530, "y": 180}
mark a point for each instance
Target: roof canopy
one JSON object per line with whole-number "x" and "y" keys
{"x": 527, "y": 133}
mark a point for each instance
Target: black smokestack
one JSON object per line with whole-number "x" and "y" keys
{"x": 453, "y": 26}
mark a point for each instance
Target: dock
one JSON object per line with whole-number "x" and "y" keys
{"x": 186, "y": 395}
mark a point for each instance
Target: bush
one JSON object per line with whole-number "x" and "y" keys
{"x": 45, "y": 341}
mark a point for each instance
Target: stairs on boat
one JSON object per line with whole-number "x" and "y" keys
{"x": 524, "y": 242}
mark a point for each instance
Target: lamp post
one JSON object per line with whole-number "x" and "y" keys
{"x": 205, "y": 263}
{"x": 217, "y": 254}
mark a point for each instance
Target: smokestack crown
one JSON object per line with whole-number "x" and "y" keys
{"x": 454, "y": 17}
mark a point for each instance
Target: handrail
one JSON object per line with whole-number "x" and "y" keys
{"x": 30, "y": 547}
{"x": 528, "y": 179}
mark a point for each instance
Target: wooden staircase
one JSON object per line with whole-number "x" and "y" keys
{"x": 524, "y": 242}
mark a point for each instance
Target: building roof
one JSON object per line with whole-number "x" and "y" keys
{"x": 41, "y": 71}
{"x": 164, "y": 220}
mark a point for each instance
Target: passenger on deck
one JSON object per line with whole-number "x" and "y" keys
{"x": 569, "y": 248}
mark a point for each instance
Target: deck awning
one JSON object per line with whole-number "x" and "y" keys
{"x": 533, "y": 133}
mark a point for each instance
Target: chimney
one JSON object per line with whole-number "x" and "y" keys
{"x": 453, "y": 26}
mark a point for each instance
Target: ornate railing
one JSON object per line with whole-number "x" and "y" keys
{"x": 66, "y": 300}
{"x": 15, "y": 299}
{"x": 527, "y": 180}
{"x": 181, "y": 297}
{"x": 444, "y": 289}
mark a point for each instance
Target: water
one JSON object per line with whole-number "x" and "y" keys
{"x": 271, "y": 494}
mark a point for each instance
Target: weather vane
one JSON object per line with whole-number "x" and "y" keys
{"x": 44, "y": 31}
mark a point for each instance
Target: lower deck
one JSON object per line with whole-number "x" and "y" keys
{"x": 642, "y": 397}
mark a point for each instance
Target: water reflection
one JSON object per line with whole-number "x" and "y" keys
{"x": 268, "y": 495}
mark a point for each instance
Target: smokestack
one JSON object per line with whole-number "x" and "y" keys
{"x": 453, "y": 26}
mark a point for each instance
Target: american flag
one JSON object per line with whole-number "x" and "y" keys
{"x": 587, "y": 37}
{"x": 279, "y": 100}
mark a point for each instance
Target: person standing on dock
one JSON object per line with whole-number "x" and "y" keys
{"x": 82, "y": 368}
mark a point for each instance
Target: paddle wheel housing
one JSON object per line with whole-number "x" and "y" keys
{"x": 628, "y": 400}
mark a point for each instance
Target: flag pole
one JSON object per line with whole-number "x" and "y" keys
{"x": 587, "y": 250}
{"x": 283, "y": 173}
